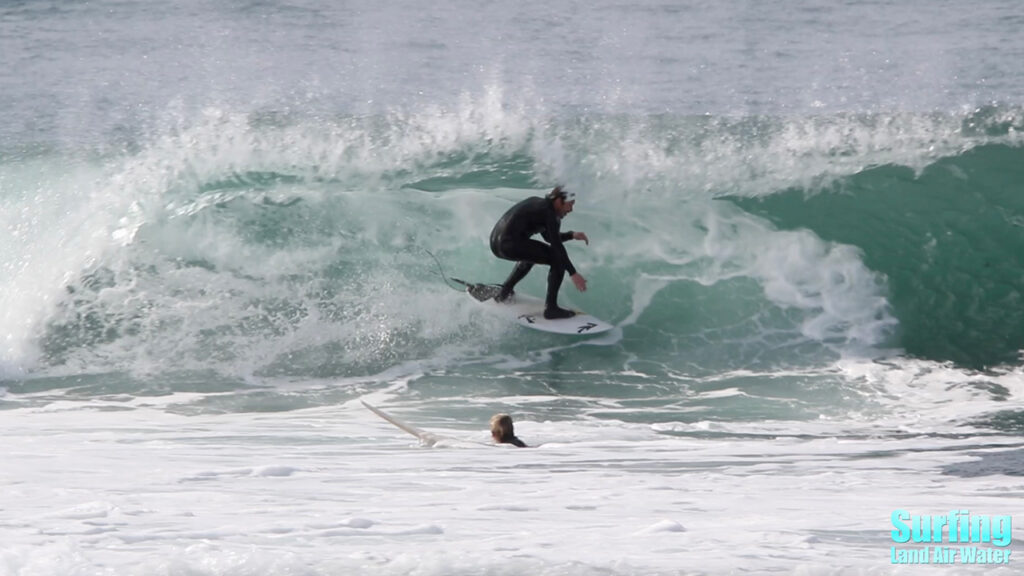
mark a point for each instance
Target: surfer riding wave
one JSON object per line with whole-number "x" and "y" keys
{"x": 511, "y": 240}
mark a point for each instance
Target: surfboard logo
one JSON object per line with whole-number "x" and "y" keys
{"x": 529, "y": 318}
{"x": 586, "y": 327}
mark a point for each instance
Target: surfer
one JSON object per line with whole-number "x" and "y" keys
{"x": 510, "y": 240}
{"x": 502, "y": 431}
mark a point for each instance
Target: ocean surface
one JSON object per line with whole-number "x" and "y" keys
{"x": 219, "y": 229}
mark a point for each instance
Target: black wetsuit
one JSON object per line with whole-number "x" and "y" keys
{"x": 511, "y": 240}
{"x": 513, "y": 440}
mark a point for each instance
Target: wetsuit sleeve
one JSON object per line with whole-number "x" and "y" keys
{"x": 552, "y": 233}
{"x": 566, "y": 236}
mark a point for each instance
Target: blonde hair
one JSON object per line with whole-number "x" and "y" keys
{"x": 501, "y": 428}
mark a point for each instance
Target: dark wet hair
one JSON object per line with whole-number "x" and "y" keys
{"x": 561, "y": 192}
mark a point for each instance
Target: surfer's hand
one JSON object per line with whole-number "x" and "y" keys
{"x": 581, "y": 236}
{"x": 579, "y": 281}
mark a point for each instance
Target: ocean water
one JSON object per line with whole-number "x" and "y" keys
{"x": 220, "y": 223}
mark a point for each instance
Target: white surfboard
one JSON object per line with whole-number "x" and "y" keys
{"x": 528, "y": 311}
{"x": 427, "y": 438}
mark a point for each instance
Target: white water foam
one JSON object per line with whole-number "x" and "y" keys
{"x": 142, "y": 491}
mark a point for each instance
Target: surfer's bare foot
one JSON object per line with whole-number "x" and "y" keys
{"x": 555, "y": 313}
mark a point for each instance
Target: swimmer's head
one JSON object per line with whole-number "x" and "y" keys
{"x": 501, "y": 428}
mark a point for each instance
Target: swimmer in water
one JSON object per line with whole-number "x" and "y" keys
{"x": 502, "y": 431}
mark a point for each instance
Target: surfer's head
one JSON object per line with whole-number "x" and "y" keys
{"x": 501, "y": 428}
{"x": 562, "y": 199}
